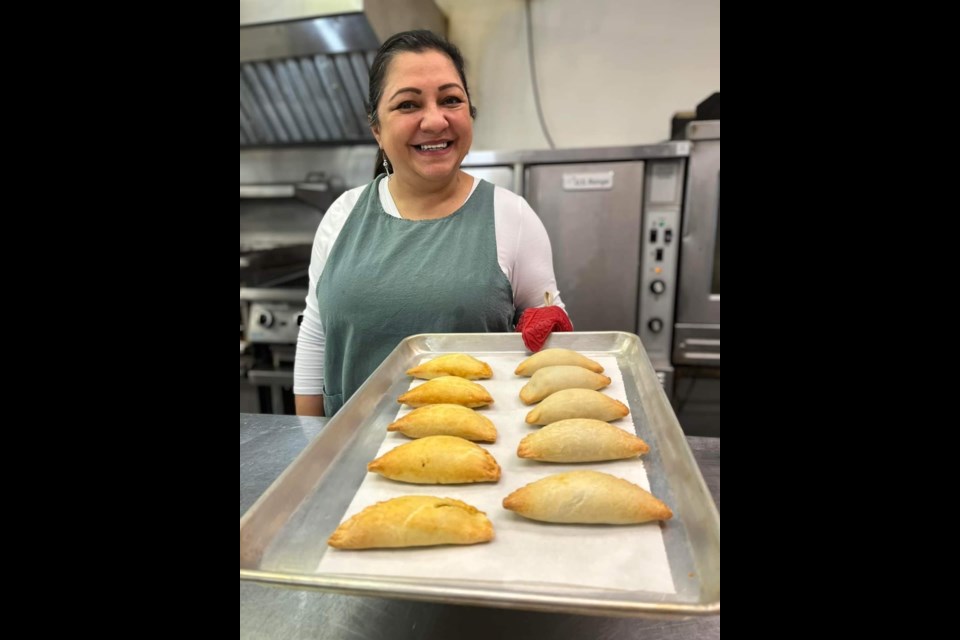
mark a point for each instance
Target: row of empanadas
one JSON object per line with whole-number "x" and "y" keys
{"x": 447, "y": 390}
{"x": 446, "y": 420}
{"x": 437, "y": 460}
{"x": 577, "y": 403}
{"x": 553, "y": 357}
{"x": 581, "y": 440}
{"x": 588, "y": 497}
{"x": 453, "y": 364}
{"x": 413, "y": 521}
{"x": 549, "y": 380}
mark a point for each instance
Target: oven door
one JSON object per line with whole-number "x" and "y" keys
{"x": 697, "y": 329}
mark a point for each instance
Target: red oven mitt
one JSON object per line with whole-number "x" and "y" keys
{"x": 537, "y": 323}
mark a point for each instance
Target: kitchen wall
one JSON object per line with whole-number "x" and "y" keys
{"x": 610, "y": 72}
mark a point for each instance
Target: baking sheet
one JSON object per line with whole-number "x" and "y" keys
{"x": 523, "y": 550}
{"x": 283, "y": 535}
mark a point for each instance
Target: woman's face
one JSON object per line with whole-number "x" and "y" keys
{"x": 425, "y": 126}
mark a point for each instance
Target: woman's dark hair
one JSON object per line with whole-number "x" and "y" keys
{"x": 416, "y": 41}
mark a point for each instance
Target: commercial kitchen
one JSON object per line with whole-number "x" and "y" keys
{"x": 635, "y": 232}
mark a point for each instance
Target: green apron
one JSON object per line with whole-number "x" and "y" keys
{"x": 387, "y": 278}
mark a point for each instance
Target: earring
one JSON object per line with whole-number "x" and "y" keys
{"x": 386, "y": 166}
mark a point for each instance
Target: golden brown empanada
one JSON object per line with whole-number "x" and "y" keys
{"x": 577, "y": 403}
{"x": 446, "y": 420}
{"x": 447, "y": 390}
{"x": 581, "y": 440}
{"x": 558, "y": 377}
{"x": 453, "y": 364}
{"x": 437, "y": 460}
{"x": 588, "y": 497}
{"x": 413, "y": 521}
{"x": 553, "y": 357}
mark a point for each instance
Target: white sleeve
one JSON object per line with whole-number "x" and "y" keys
{"x": 311, "y": 341}
{"x": 523, "y": 251}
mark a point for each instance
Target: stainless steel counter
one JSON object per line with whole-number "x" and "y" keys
{"x": 268, "y": 443}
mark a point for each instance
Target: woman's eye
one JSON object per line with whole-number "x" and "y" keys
{"x": 406, "y": 106}
{"x": 452, "y": 100}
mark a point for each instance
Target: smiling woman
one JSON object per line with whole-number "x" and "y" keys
{"x": 424, "y": 248}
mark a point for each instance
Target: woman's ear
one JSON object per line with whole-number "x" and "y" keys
{"x": 375, "y": 130}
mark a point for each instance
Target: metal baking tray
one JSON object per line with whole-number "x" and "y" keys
{"x": 283, "y": 535}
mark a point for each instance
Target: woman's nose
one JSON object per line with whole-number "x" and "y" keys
{"x": 433, "y": 120}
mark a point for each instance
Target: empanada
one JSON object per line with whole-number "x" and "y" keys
{"x": 581, "y": 440}
{"x": 553, "y": 357}
{"x": 588, "y": 497}
{"x": 453, "y": 364}
{"x": 577, "y": 403}
{"x": 413, "y": 521}
{"x": 437, "y": 460}
{"x": 558, "y": 377}
{"x": 446, "y": 420}
{"x": 447, "y": 390}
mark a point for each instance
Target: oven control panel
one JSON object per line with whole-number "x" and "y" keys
{"x": 659, "y": 253}
{"x": 273, "y": 322}
{"x": 658, "y": 277}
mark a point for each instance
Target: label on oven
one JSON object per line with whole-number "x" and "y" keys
{"x": 599, "y": 181}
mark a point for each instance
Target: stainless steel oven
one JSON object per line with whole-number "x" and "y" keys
{"x": 696, "y": 336}
{"x": 277, "y": 224}
{"x": 269, "y": 321}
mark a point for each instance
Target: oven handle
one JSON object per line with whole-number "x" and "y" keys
{"x": 267, "y": 377}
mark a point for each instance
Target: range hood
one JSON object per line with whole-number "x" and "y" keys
{"x": 303, "y": 78}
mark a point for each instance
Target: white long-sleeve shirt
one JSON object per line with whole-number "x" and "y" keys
{"x": 523, "y": 253}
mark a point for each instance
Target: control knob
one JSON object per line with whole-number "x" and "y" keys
{"x": 265, "y": 319}
{"x": 655, "y": 325}
{"x": 658, "y": 286}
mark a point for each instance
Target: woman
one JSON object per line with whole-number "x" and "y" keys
{"x": 424, "y": 248}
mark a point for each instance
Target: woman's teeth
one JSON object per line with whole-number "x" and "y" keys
{"x": 433, "y": 147}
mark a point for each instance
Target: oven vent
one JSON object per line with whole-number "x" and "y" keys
{"x": 305, "y": 100}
